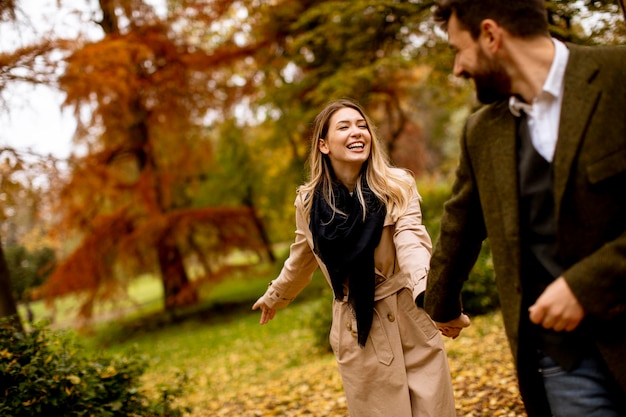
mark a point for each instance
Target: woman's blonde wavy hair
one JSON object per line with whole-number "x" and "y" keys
{"x": 390, "y": 185}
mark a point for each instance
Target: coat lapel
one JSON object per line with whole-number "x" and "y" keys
{"x": 503, "y": 159}
{"x": 579, "y": 101}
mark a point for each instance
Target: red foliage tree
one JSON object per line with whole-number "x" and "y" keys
{"x": 140, "y": 95}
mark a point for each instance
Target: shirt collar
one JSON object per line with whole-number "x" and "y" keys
{"x": 553, "y": 86}
{"x": 517, "y": 106}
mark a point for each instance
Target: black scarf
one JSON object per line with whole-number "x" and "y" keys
{"x": 346, "y": 243}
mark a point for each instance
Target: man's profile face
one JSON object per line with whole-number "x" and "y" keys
{"x": 472, "y": 60}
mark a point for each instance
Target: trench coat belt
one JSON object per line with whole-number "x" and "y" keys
{"x": 385, "y": 287}
{"x": 391, "y": 285}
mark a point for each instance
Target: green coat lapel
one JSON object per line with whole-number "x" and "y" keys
{"x": 579, "y": 101}
{"x": 503, "y": 158}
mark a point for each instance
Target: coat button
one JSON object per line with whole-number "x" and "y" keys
{"x": 349, "y": 326}
{"x": 354, "y": 333}
{"x": 391, "y": 317}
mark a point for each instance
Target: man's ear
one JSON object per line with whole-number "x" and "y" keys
{"x": 322, "y": 146}
{"x": 491, "y": 35}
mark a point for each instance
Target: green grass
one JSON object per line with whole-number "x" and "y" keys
{"x": 226, "y": 364}
{"x": 225, "y": 355}
{"x": 229, "y": 365}
{"x": 235, "y": 367}
{"x": 217, "y": 346}
{"x": 182, "y": 345}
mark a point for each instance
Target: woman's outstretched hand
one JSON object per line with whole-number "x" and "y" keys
{"x": 267, "y": 313}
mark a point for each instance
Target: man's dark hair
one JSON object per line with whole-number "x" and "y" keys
{"x": 521, "y": 18}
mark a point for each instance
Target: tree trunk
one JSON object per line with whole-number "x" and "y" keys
{"x": 178, "y": 291}
{"x": 8, "y": 307}
{"x": 249, "y": 202}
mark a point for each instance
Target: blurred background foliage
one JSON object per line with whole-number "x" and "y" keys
{"x": 193, "y": 122}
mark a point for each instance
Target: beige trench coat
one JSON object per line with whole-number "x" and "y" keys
{"x": 402, "y": 371}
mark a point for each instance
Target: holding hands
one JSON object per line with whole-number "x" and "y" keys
{"x": 453, "y": 328}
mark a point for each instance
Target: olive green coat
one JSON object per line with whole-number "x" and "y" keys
{"x": 590, "y": 202}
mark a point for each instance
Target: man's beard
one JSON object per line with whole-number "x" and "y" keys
{"x": 491, "y": 80}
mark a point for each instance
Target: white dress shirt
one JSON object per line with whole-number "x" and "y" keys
{"x": 544, "y": 112}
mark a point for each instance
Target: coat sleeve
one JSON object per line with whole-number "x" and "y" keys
{"x": 297, "y": 270}
{"x": 461, "y": 235}
{"x": 413, "y": 245}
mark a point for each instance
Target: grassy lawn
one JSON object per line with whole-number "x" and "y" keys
{"x": 229, "y": 365}
{"x": 235, "y": 367}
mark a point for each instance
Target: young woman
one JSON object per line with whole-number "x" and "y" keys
{"x": 359, "y": 220}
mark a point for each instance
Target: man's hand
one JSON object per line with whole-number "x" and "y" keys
{"x": 453, "y": 328}
{"x": 557, "y": 308}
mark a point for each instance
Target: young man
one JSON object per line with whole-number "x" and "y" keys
{"x": 542, "y": 174}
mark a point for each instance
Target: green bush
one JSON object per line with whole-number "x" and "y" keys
{"x": 434, "y": 195}
{"x": 320, "y": 320}
{"x": 43, "y": 373}
{"x": 479, "y": 292}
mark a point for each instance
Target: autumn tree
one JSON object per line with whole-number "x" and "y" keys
{"x": 364, "y": 49}
{"x": 23, "y": 194}
{"x": 25, "y": 175}
{"x": 8, "y": 307}
{"x": 141, "y": 95}
{"x": 389, "y": 56}
{"x": 193, "y": 123}
{"x": 590, "y": 22}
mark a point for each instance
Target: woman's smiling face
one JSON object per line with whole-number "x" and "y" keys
{"x": 348, "y": 141}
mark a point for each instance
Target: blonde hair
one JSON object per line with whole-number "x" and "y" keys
{"x": 391, "y": 185}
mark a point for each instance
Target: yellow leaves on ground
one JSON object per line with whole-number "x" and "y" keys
{"x": 286, "y": 376}
{"x": 482, "y": 370}
{"x": 309, "y": 390}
